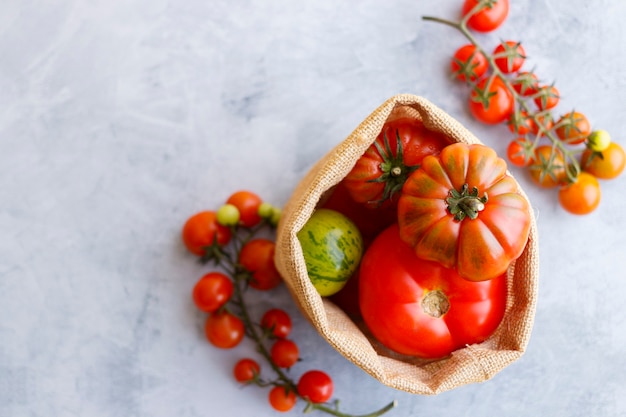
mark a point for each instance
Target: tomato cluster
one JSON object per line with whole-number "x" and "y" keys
{"x": 226, "y": 237}
{"x": 560, "y": 151}
{"x": 440, "y": 233}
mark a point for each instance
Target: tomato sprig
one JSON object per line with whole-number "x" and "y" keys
{"x": 504, "y": 93}
{"x": 240, "y": 220}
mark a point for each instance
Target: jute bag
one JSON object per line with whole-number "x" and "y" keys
{"x": 471, "y": 364}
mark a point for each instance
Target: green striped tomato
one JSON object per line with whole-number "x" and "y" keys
{"x": 332, "y": 247}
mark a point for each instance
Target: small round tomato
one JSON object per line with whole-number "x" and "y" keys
{"x": 228, "y": 215}
{"x": 332, "y": 247}
{"x": 202, "y": 230}
{"x": 224, "y": 330}
{"x": 547, "y": 168}
{"x": 212, "y": 291}
{"x": 573, "y": 128}
{"x": 598, "y": 140}
{"x": 421, "y": 308}
{"x": 277, "y": 321}
{"x": 248, "y": 204}
{"x": 509, "y": 56}
{"x": 582, "y": 196}
{"x": 282, "y": 399}
{"x": 398, "y": 149}
{"x": 284, "y": 353}
{"x": 246, "y": 370}
{"x": 316, "y": 386}
{"x": 257, "y": 257}
{"x": 489, "y": 17}
{"x": 469, "y": 63}
{"x": 520, "y": 152}
{"x": 605, "y": 165}
{"x": 547, "y": 97}
{"x": 525, "y": 83}
{"x": 491, "y": 102}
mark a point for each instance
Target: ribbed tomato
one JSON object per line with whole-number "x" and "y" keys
{"x": 462, "y": 209}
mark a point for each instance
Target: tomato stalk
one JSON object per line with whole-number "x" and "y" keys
{"x": 539, "y": 118}
{"x": 241, "y": 278}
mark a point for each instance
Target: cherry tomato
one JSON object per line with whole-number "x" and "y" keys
{"x": 246, "y": 370}
{"x": 228, "y": 215}
{"x": 525, "y": 83}
{"x": 510, "y": 56}
{"x": 547, "y": 168}
{"x": 492, "y": 103}
{"x": 202, "y": 230}
{"x": 598, "y": 140}
{"x": 469, "y": 62}
{"x": 278, "y": 321}
{"x": 519, "y": 152}
{"x": 607, "y": 164}
{"x": 573, "y": 128}
{"x": 224, "y": 330}
{"x": 248, "y": 204}
{"x": 316, "y": 386}
{"x": 488, "y": 18}
{"x": 212, "y": 291}
{"x": 548, "y": 97}
{"x": 284, "y": 353}
{"x": 581, "y": 196}
{"x": 421, "y": 308}
{"x": 257, "y": 256}
{"x": 520, "y": 123}
{"x": 282, "y": 399}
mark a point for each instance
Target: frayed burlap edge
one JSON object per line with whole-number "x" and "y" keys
{"x": 474, "y": 363}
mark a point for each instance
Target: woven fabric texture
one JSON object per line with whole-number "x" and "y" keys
{"x": 476, "y": 363}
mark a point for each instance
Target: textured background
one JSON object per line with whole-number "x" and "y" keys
{"x": 118, "y": 120}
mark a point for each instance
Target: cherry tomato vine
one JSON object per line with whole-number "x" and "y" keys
{"x": 227, "y": 238}
{"x": 555, "y": 150}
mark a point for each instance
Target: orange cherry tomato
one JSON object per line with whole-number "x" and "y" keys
{"x": 581, "y": 196}
{"x": 605, "y": 165}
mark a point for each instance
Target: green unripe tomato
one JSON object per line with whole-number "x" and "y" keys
{"x": 228, "y": 215}
{"x": 598, "y": 140}
{"x": 332, "y": 247}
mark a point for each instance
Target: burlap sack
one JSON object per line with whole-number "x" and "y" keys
{"x": 474, "y": 363}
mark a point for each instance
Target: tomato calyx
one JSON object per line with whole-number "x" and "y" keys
{"x": 394, "y": 170}
{"x": 435, "y": 303}
{"x": 465, "y": 203}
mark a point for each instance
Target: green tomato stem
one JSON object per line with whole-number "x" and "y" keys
{"x": 461, "y": 26}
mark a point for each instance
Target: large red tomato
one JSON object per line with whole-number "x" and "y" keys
{"x": 462, "y": 209}
{"x": 401, "y": 145}
{"x": 420, "y": 308}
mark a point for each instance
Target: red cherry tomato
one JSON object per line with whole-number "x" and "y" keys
{"x": 284, "y": 353}
{"x": 246, "y": 370}
{"x": 573, "y": 128}
{"x": 316, "y": 386}
{"x": 202, "y": 230}
{"x": 469, "y": 62}
{"x": 510, "y": 56}
{"x": 488, "y": 18}
{"x": 224, "y": 330}
{"x": 493, "y": 103}
{"x": 282, "y": 399}
{"x": 257, "y": 256}
{"x": 548, "y": 97}
{"x": 525, "y": 83}
{"x": 212, "y": 291}
{"x": 420, "y": 308}
{"x": 277, "y": 321}
{"x": 248, "y": 204}
{"x": 519, "y": 152}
